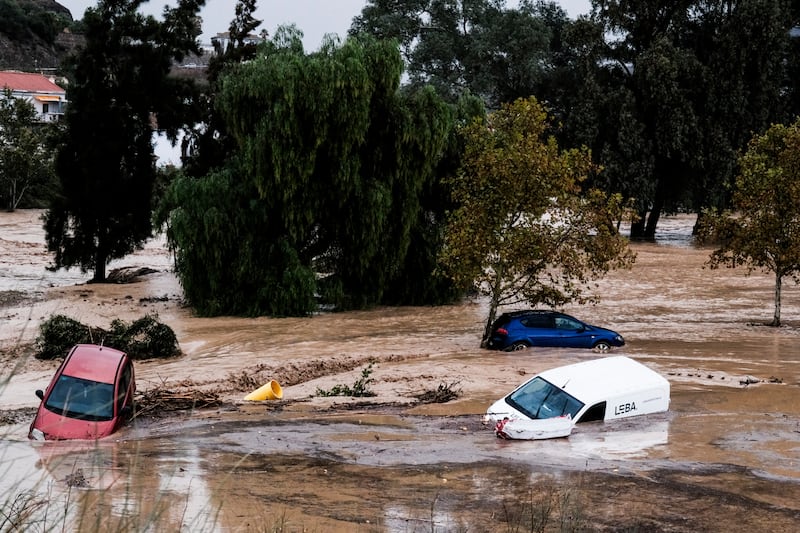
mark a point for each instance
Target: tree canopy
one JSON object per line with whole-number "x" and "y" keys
{"x": 762, "y": 228}
{"x": 119, "y": 91}
{"x": 326, "y": 177}
{"x": 673, "y": 90}
{"x": 322, "y": 195}
{"x": 478, "y": 47}
{"x": 25, "y": 160}
{"x": 523, "y": 231}
{"x": 664, "y": 93}
{"x": 206, "y": 143}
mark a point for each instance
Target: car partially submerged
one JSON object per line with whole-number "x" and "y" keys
{"x": 89, "y": 397}
{"x": 518, "y": 330}
{"x": 552, "y": 402}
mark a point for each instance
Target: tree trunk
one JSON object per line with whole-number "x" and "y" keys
{"x": 637, "y": 226}
{"x": 99, "y": 268}
{"x": 655, "y": 214}
{"x": 487, "y": 331}
{"x": 699, "y": 222}
{"x": 10, "y": 204}
{"x": 776, "y": 318}
{"x": 493, "y": 304}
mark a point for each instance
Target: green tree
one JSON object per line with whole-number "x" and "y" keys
{"x": 25, "y": 160}
{"x": 207, "y": 143}
{"x": 26, "y": 19}
{"x": 675, "y": 90}
{"x": 330, "y": 163}
{"x": 419, "y": 280}
{"x": 120, "y": 89}
{"x": 762, "y": 229}
{"x": 523, "y": 230}
{"x": 475, "y": 47}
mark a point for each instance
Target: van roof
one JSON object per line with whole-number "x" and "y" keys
{"x": 600, "y": 379}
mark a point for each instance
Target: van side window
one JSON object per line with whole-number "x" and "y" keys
{"x": 594, "y": 413}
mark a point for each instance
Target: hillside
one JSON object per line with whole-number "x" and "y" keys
{"x": 37, "y": 35}
{"x": 34, "y": 34}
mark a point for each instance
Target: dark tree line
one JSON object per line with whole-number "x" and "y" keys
{"x": 323, "y": 177}
{"x": 665, "y": 93}
{"x": 474, "y": 47}
{"x": 695, "y": 81}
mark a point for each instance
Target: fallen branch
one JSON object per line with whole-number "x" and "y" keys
{"x": 158, "y": 400}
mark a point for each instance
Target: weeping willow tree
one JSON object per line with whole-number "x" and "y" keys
{"x": 323, "y": 192}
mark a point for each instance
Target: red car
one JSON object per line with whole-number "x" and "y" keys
{"x": 90, "y": 396}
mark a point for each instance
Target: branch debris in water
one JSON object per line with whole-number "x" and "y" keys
{"x": 158, "y": 400}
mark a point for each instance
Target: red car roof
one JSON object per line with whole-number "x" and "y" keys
{"x": 96, "y": 363}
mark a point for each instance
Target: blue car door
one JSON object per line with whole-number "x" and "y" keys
{"x": 540, "y": 330}
{"x": 572, "y": 333}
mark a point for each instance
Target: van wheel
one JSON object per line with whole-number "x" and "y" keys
{"x": 517, "y": 346}
{"x": 602, "y": 346}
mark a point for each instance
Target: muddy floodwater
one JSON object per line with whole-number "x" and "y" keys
{"x": 725, "y": 457}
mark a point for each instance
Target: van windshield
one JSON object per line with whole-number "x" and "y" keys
{"x": 539, "y": 398}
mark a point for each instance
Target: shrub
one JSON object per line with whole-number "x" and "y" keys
{"x": 360, "y": 388}
{"x": 59, "y": 333}
{"x": 144, "y": 338}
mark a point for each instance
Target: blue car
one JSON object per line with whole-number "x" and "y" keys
{"x": 522, "y": 329}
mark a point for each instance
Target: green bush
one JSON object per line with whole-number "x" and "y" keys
{"x": 145, "y": 338}
{"x": 59, "y": 333}
{"x": 22, "y": 20}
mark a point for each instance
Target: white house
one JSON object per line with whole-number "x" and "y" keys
{"x": 49, "y": 99}
{"x": 221, "y": 41}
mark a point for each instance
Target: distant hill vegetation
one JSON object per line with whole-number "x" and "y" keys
{"x": 35, "y": 34}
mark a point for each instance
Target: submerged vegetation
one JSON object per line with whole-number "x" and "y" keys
{"x": 144, "y": 338}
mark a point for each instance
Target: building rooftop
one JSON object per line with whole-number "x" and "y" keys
{"x": 27, "y": 81}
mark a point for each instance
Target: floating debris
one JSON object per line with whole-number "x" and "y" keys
{"x": 77, "y": 479}
{"x": 154, "y": 401}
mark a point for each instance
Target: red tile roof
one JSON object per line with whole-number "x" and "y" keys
{"x": 24, "y": 81}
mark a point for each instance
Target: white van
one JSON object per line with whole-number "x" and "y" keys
{"x": 601, "y": 389}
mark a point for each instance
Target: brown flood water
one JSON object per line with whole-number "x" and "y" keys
{"x": 726, "y": 457}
